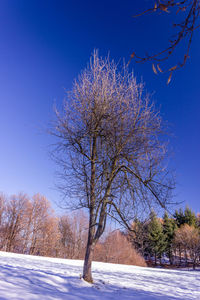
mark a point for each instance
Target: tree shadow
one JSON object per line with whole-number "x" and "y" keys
{"x": 27, "y": 283}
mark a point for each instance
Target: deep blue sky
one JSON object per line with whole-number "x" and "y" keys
{"x": 43, "y": 47}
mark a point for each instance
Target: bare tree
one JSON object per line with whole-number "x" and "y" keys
{"x": 66, "y": 237}
{"x": 15, "y": 221}
{"x": 184, "y": 31}
{"x": 74, "y": 229}
{"x": 43, "y": 226}
{"x": 79, "y": 226}
{"x": 118, "y": 249}
{"x": 2, "y": 221}
{"x": 187, "y": 239}
{"x": 49, "y": 238}
{"x": 111, "y": 149}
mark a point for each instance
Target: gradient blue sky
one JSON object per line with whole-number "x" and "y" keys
{"x": 43, "y": 47}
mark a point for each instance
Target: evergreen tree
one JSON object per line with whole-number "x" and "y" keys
{"x": 179, "y": 217}
{"x": 190, "y": 217}
{"x": 139, "y": 237}
{"x": 198, "y": 221}
{"x": 186, "y": 217}
{"x": 156, "y": 237}
{"x": 169, "y": 227}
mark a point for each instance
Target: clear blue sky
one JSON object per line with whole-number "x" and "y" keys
{"x": 43, "y": 47}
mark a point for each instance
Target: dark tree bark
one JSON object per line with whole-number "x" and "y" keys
{"x": 87, "y": 268}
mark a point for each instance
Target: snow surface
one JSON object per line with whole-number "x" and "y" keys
{"x": 33, "y": 277}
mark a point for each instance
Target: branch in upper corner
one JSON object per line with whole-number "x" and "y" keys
{"x": 186, "y": 28}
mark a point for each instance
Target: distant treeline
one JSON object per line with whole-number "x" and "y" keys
{"x": 29, "y": 225}
{"x": 171, "y": 240}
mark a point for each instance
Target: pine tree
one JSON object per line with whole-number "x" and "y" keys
{"x": 190, "y": 217}
{"x": 186, "y": 217}
{"x": 139, "y": 237}
{"x": 179, "y": 217}
{"x": 169, "y": 227}
{"x": 156, "y": 237}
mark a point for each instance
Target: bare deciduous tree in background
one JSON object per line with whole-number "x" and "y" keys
{"x": 74, "y": 230}
{"x": 117, "y": 249}
{"x": 2, "y": 220}
{"x": 67, "y": 241}
{"x": 111, "y": 149}
{"x": 42, "y": 219}
{"x": 183, "y": 32}
{"x": 15, "y": 221}
{"x": 187, "y": 239}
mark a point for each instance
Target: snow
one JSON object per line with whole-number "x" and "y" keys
{"x": 33, "y": 277}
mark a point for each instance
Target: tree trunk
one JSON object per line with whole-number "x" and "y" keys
{"x": 194, "y": 263}
{"x": 171, "y": 257}
{"x": 180, "y": 256}
{"x": 87, "y": 269}
{"x": 186, "y": 261}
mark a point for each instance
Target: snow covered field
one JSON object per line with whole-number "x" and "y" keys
{"x": 32, "y": 277}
